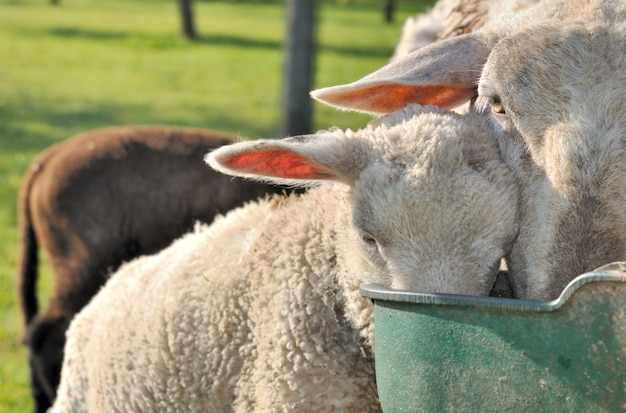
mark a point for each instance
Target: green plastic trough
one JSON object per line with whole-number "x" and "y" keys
{"x": 452, "y": 353}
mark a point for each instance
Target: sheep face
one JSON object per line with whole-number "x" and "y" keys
{"x": 560, "y": 123}
{"x": 556, "y": 101}
{"x": 430, "y": 232}
{"x": 428, "y": 207}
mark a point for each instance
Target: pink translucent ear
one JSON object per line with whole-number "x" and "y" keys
{"x": 279, "y": 163}
{"x": 380, "y": 99}
{"x": 444, "y": 74}
{"x": 298, "y": 161}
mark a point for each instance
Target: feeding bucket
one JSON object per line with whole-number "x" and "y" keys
{"x": 438, "y": 353}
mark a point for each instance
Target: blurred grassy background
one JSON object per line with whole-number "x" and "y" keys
{"x": 89, "y": 64}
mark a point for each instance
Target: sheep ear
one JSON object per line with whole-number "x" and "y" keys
{"x": 292, "y": 161}
{"x": 444, "y": 74}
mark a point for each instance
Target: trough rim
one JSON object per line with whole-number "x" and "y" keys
{"x": 611, "y": 273}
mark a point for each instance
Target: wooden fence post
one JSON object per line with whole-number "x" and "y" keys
{"x": 186, "y": 15}
{"x": 299, "y": 67}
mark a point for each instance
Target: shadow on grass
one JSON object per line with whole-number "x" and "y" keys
{"x": 135, "y": 39}
{"x": 85, "y": 34}
{"x": 177, "y": 41}
{"x": 358, "y": 51}
{"x": 238, "y": 41}
{"x": 13, "y": 3}
{"x": 163, "y": 41}
{"x": 55, "y": 124}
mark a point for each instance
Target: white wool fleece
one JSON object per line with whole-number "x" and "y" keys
{"x": 183, "y": 333}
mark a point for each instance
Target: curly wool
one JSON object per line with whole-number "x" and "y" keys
{"x": 164, "y": 311}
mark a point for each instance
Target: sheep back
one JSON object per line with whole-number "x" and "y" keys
{"x": 227, "y": 301}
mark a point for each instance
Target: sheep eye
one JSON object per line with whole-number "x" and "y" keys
{"x": 496, "y": 105}
{"x": 370, "y": 242}
{"x": 369, "y": 239}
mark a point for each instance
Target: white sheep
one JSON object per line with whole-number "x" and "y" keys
{"x": 448, "y": 18}
{"x": 260, "y": 312}
{"x": 422, "y": 30}
{"x": 553, "y": 79}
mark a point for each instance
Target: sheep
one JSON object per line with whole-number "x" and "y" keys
{"x": 551, "y": 80}
{"x": 449, "y": 18}
{"x": 421, "y": 30}
{"x": 261, "y": 311}
{"x": 102, "y": 198}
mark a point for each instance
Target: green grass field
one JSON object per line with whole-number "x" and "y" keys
{"x": 89, "y": 64}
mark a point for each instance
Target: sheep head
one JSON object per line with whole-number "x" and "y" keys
{"x": 429, "y": 205}
{"x": 554, "y": 94}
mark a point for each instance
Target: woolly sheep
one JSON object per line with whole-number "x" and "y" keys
{"x": 551, "y": 79}
{"x": 261, "y": 311}
{"x": 99, "y": 199}
{"x": 449, "y": 18}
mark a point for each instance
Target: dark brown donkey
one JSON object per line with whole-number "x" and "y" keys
{"x": 103, "y": 198}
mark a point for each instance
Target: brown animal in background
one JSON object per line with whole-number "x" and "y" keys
{"x": 103, "y": 198}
